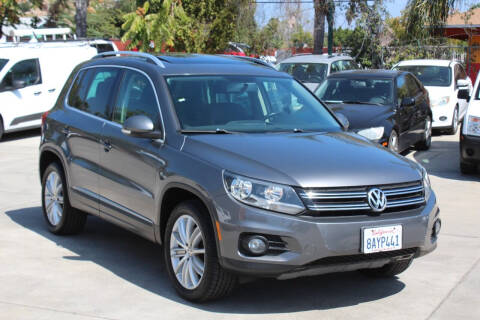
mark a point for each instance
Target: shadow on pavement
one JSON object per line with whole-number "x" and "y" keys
{"x": 140, "y": 262}
{"x": 20, "y": 135}
{"x": 443, "y": 160}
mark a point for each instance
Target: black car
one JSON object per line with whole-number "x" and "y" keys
{"x": 389, "y": 107}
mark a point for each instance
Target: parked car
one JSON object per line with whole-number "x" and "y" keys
{"x": 388, "y": 107}
{"x": 470, "y": 132}
{"x": 235, "y": 168}
{"x": 31, "y": 80}
{"x": 442, "y": 79}
{"x": 312, "y": 69}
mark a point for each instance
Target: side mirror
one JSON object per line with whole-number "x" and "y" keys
{"x": 18, "y": 84}
{"x": 343, "y": 120}
{"x": 141, "y": 127}
{"x": 463, "y": 94}
{"x": 407, "y": 102}
{"x": 462, "y": 83}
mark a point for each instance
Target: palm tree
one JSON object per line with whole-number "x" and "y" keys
{"x": 81, "y": 17}
{"x": 421, "y": 13}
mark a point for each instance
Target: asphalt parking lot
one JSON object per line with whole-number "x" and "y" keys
{"x": 109, "y": 273}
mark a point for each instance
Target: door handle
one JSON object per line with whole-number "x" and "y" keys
{"x": 107, "y": 146}
{"x": 51, "y": 90}
{"x": 37, "y": 93}
{"x": 66, "y": 131}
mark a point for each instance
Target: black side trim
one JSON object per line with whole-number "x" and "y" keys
{"x": 28, "y": 118}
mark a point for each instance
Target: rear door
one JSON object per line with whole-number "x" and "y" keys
{"x": 87, "y": 103}
{"x": 129, "y": 165}
{"x": 417, "y": 126}
{"x": 22, "y": 107}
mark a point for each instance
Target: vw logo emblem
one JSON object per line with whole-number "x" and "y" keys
{"x": 376, "y": 199}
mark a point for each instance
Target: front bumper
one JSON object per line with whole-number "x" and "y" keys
{"x": 317, "y": 245}
{"x": 442, "y": 116}
{"x": 470, "y": 148}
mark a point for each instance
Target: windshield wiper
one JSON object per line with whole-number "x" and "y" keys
{"x": 361, "y": 102}
{"x": 216, "y": 131}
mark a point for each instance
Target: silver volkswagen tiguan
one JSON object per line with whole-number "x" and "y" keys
{"x": 235, "y": 168}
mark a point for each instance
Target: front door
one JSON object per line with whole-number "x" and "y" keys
{"x": 22, "y": 96}
{"x": 129, "y": 165}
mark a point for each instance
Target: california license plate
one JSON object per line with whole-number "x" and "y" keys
{"x": 382, "y": 239}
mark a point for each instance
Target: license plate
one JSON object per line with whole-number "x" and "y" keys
{"x": 382, "y": 239}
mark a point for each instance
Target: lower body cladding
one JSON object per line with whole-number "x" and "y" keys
{"x": 303, "y": 246}
{"x": 470, "y": 149}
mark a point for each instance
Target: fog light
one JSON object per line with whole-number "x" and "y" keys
{"x": 443, "y": 118}
{"x": 257, "y": 245}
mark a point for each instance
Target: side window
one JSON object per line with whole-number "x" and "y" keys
{"x": 412, "y": 85}
{"x": 27, "y": 71}
{"x": 402, "y": 89}
{"x": 349, "y": 65}
{"x": 92, "y": 89}
{"x": 335, "y": 67}
{"x": 136, "y": 97}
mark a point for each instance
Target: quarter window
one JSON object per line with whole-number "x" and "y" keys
{"x": 136, "y": 97}
{"x": 27, "y": 71}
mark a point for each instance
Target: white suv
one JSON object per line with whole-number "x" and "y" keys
{"x": 443, "y": 79}
{"x": 312, "y": 69}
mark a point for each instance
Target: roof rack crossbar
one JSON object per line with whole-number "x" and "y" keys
{"x": 149, "y": 57}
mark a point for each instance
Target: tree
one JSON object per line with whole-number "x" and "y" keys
{"x": 321, "y": 10}
{"x": 11, "y": 10}
{"x": 423, "y": 13}
{"x": 81, "y": 7}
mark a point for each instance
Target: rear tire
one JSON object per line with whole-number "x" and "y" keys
{"x": 1, "y": 128}
{"x": 215, "y": 282}
{"x": 389, "y": 270}
{"x": 454, "y": 128}
{"x": 60, "y": 216}
{"x": 426, "y": 141}
{"x": 468, "y": 168}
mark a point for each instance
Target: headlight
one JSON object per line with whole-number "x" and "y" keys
{"x": 440, "y": 102}
{"x": 372, "y": 133}
{"x": 426, "y": 184}
{"x": 473, "y": 126}
{"x": 262, "y": 194}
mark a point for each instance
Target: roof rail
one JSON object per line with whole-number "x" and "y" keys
{"x": 251, "y": 59}
{"x": 149, "y": 57}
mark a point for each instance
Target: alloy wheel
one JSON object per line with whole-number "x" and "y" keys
{"x": 187, "y": 252}
{"x": 393, "y": 141}
{"x": 428, "y": 129}
{"x": 455, "y": 121}
{"x": 53, "y": 197}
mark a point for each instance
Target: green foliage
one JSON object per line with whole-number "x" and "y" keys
{"x": 105, "y": 18}
{"x": 11, "y": 10}
{"x": 424, "y": 17}
{"x": 300, "y": 37}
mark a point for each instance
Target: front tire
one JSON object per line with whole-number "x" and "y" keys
{"x": 454, "y": 128}
{"x": 190, "y": 253}
{"x": 426, "y": 141}
{"x": 393, "y": 141}
{"x": 389, "y": 270}
{"x": 60, "y": 216}
{"x": 1, "y": 128}
{"x": 468, "y": 168}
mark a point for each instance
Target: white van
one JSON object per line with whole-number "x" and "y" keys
{"x": 442, "y": 79}
{"x": 31, "y": 79}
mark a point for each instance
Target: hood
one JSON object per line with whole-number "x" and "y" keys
{"x": 304, "y": 159}
{"x": 436, "y": 93}
{"x": 362, "y": 116}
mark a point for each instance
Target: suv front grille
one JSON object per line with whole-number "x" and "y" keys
{"x": 353, "y": 200}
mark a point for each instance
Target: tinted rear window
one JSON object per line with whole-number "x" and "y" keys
{"x": 92, "y": 89}
{"x": 306, "y": 72}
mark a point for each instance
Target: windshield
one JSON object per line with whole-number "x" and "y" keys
{"x": 247, "y": 104}
{"x": 3, "y": 62}
{"x": 434, "y": 76}
{"x": 371, "y": 91}
{"x": 306, "y": 72}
